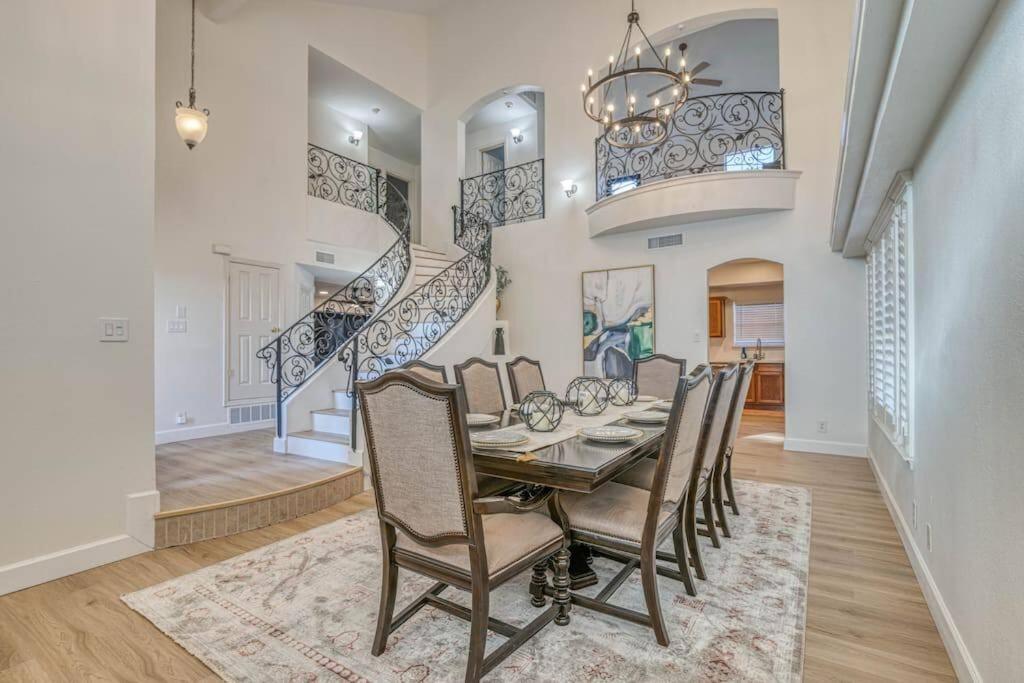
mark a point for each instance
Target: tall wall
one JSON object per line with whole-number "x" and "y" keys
{"x": 76, "y": 184}
{"x": 968, "y": 285}
{"x": 245, "y": 185}
{"x": 825, "y": 319}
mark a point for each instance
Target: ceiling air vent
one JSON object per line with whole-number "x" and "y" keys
{"x": 662, "y": 241}
{"x": 324, "y": 257}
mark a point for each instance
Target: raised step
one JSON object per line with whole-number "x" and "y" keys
{"x": 332, "y": 421}
{"x": 322, "y": 445}
{"x": 342, "y": 400}
{"x": 420, "y": 249}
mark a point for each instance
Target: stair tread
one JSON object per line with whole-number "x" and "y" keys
{"x": 322, "y": 436}
{"x": 342, "y": 412}
{"x": 420, "y": 247}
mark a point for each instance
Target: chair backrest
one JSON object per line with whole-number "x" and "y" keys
{"x": 419, "y": 453}
{"x": 658, "y": 375}
{"x": 739, "y": 401}
{"x": 435, "y": 373}
{"x": 482, "y": 383}
{"x": 685, "y": 438}
{"x": 730, "y": 380}
{"x": 524, "y": 376}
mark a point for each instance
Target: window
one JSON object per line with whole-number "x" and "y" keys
{"x": 622, "y": 184}
{"x": 889, "y": 317}
{"x": 750, "y": 159}
{"x": 758, "y": 321}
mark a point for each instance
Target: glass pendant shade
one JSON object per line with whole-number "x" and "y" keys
{"x": 191, "y": 124}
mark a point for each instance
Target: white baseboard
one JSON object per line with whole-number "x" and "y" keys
{"x": 140, "y": 508}
{"x": 219, "y": 429}
{"x": 36, "y": 570}
{"x": 961, "y": 659}
{"x": 857, "y": 450}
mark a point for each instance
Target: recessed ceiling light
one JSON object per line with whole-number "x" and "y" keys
{"x": 376, "y": 110}
{"x": 509, "y": 104}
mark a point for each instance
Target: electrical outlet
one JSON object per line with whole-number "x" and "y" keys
{"x": 928, "y": 536}
{"x": 913, "y": 515}
{"x": 822, "y": 426}
{"x": 181, "y": 418}
{"x": 697, "y": 336}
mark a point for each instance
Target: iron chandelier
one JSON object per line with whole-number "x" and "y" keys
{"x": 645, "y": 122}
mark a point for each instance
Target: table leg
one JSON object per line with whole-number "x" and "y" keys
{"x": 538, "y": 583}
{"x": 580, "y": 573}
{"x": 561, "y": 585}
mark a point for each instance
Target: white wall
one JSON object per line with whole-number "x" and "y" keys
{"x": 330, "y": 129}
{"x": 245, "y": 185}
{"x": 968, "y": 258}
{"x": 491, "y": 136}
{"x": 824, "y": 293}
{"x": 407, "y": 171}
{"x": 76, "y": 184}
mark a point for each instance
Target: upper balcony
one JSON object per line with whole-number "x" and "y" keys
{"x": 724, "y": 157}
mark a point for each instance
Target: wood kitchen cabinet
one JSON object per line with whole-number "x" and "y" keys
{"x": 716, "y": 317}
{"x": 767, "y": 387}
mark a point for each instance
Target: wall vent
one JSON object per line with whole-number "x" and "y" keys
{"x": 663, "y": 241}
{"x": 324, "y": 257}
{"x": 256, "y": 413}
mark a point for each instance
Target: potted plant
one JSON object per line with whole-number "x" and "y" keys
{"x": 503, "y": 281}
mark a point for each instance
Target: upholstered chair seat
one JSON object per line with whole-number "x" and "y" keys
{"x": 482, "y": 384}
{"x": 524, "y": 377}
{"x": 435, "y": 373}
{"x": 507, "y": 539}
{"x": 614, "y": 511}
{"x": 658, "y": 375}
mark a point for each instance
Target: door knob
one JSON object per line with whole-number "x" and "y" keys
{"x": 275, "y": 330}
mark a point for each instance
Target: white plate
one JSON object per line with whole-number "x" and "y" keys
{"x": 663, "y": 405}
{"x": 647, "y": 417}
{"x": 646, "y": 398}
{"x": 481, "y": 419}
{"x": 610, "y": 433}
{"x": 501, "y": 438}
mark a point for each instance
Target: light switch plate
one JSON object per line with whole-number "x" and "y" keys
{"x": 113, "y": 329}
{"x": 180, "y": 311}
{"x": 177, "y": 326}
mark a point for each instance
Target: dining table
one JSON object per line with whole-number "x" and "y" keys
{"x": 574, "y": 463}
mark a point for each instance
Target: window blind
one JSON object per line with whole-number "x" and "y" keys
{"x": 888, "y": 291}
{"x": 758, "y": 321}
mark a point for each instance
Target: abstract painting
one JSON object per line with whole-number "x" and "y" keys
{"x": 618, "y": 320}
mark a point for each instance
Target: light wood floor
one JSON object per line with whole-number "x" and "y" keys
{"x": 222, "y": 468}
{"x": 866, "y": 617}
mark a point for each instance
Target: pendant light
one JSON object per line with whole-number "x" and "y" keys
{"x": 190, "y": 121}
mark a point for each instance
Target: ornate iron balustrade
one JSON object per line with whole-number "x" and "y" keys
{"x": 337, "y": 178}
{"x": 511, "y": 195}
{"x": 412, "y": 325}
{"x": 726, "y": 132}
{"x": 315, "y": 338}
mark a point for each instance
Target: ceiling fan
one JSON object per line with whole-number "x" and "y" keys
{"x": 714, "y": 82}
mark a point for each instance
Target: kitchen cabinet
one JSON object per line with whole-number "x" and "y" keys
{"x": 716, "y": 317}
{"x": 767, "y": 387}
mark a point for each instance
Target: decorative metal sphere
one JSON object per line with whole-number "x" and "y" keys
{"x": 587, "y": 395}
{"x": 541, "y": 411}
{"x": 622, "y": 391}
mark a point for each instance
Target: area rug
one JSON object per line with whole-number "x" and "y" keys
{"x": 305, "y": 608}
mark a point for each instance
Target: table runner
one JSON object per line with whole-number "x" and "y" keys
{"x": 571, "y": 423}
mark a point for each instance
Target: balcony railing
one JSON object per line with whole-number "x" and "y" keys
{"x": 726, "y": 132}
{"x": 511, "y": 195}
{"x": 337, "y": 178}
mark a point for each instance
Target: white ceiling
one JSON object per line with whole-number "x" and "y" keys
{"x": 394, "y": 130}
{"x": 497, "y": 112}
{"x": 423, "y": 7}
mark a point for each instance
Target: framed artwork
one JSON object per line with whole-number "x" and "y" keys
{"x": 618, "y": 319}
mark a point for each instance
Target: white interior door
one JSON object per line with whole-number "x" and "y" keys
{"x": 253, "y": 320}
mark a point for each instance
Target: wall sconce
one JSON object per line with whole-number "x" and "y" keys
{"x": 355, "y": 136}
{"x": 517, "y": 135}
{"x": 570, "y": 188}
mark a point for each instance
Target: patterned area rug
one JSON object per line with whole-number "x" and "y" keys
{"x": 304, "y": 609}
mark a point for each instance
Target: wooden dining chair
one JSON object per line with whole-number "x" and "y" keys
{"x": 482, "y": 383}
{"x": 433, "y": 372}
{"x": 432, "y": 522}
{"x": 723, "y": 475}
{"x": 524, "y": 377}
{"x": 658, "y": 375}
{"x": 643, "y": 474}
{"x": 628, "y": 523}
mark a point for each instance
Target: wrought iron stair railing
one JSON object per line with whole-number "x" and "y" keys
{"x": 724, "y": 132}
{"x": 315, "y": 338}
{"x": 419, "y": 320}
{"x": 511, "y": 195}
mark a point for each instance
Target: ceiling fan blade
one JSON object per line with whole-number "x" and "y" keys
{"x": 706, "y": 81}
{"x": 661, "y": 90}
{"x": 697, "y": 69}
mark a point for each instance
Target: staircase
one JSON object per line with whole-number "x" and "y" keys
{"x": 331, "y": 435}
